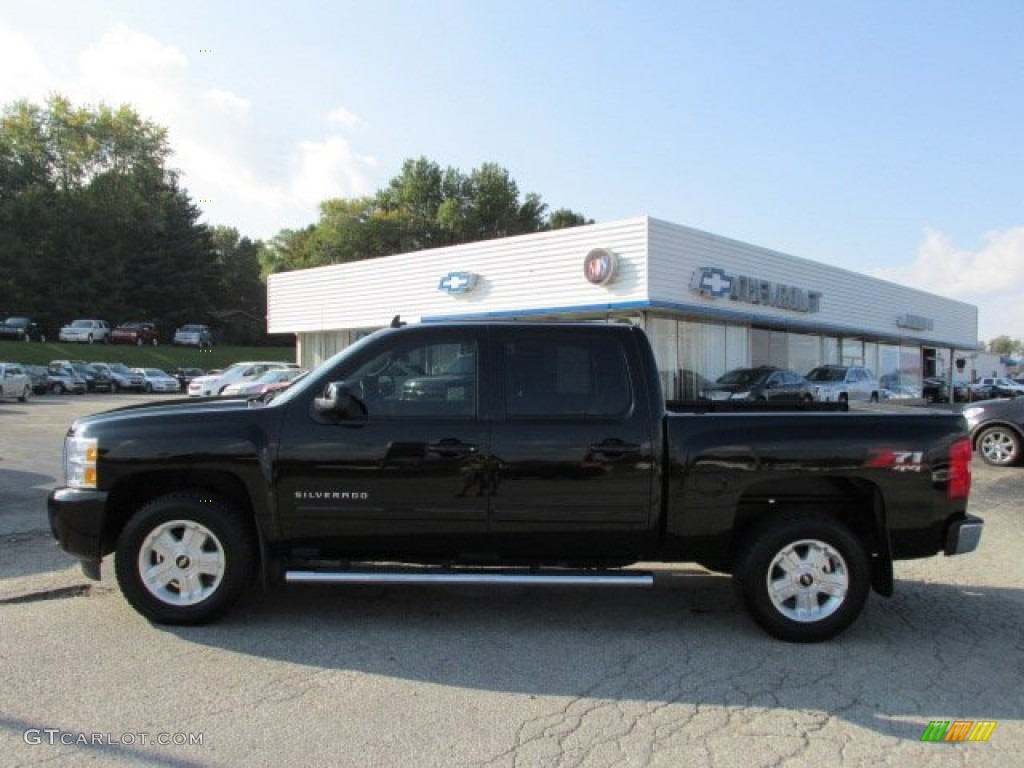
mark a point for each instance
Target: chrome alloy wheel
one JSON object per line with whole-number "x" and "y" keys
{"x": 998, "y": 446}
{"x": 807, "y": 581}
{"x": 181, "y": 562}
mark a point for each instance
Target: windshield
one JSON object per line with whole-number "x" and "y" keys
{"x": 156, "y": 372}
{"x": 120, "y": 368}
{"x": 741, "y": 377}
{"x": 827, "y": 374}
{"x": 82, "y": 324}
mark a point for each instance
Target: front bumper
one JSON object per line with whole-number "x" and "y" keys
{"x": 963, "y": 536}
{"x": 76, "y": 520}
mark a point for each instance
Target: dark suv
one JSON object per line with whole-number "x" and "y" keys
{"x": 763, "y": 383}
{"x": 22, "y": 329}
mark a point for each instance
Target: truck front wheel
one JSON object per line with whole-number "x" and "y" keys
{"x": 803, "y": 577}
{"x": 184, "y": 559}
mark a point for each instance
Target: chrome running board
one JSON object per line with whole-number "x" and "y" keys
{"x": 522, "y": 577}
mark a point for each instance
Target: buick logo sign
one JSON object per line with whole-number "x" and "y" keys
{"x": 599, "y": 266}
{"x": 458, "y": 282}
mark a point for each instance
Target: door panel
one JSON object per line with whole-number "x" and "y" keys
{"x": 406, "y": 478}
{"x": 575, "y": 457}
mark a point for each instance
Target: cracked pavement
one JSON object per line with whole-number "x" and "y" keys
{"x": 497, "y": 677}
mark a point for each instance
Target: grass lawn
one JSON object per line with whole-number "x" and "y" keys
{"x": 164, "y": 356}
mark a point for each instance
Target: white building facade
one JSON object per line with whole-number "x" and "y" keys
{"x": 708, "y": 303}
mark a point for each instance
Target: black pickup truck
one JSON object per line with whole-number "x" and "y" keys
{"x": 524, "y": 453}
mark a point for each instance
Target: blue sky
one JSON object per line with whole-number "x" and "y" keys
{"x": 887, "y": 138}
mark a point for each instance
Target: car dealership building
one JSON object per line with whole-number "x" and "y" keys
{"x": 708, "y": 303}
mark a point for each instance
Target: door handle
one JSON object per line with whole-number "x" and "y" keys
{"x": 613, "y": 448}
{"x": 451, "y": 448}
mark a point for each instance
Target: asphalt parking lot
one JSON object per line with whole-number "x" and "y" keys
{"x": 412, "y": 676}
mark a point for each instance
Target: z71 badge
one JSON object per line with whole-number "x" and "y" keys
{"x": 897, "y": 461}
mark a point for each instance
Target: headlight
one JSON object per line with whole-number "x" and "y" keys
{"x": 80, "y": 454}
{"x": 740, "y": 395}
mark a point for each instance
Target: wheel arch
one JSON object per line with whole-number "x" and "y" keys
{"x": 130, "y": 495}
{"x": 856, "y": 503}
{"x": 983, "y": 427}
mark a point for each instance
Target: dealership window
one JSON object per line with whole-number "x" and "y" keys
{"x": 853, "y": 352}
{"x": 768, "y": 347}
{"x": 804, "y": 352}
{"x": 829, "y": 350}
{"x": 664, "y": 335}
{"x": 888, "y": 362}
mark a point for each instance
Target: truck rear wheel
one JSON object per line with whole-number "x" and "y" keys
{"x": 803, "y": 577}
{"x": 184, "y": 559}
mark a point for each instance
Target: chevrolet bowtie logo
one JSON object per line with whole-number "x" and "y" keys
{"x": 712, "y": 281}
{"x": 457, "y": 282}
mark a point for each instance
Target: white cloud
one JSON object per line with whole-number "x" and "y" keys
{"x": 329, "y": 168}
{"x": 227, "y": 102}
{"x": 344, "y": 117}
{"x": 991, "y": 277}
{"x": 23, "y": 74}
{"x": 218, "y": 140}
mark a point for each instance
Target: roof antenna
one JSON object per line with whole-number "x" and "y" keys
{"x": 397, "y": 322}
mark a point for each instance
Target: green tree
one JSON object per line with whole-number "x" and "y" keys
{"x": 93, "y": 223}
{"x": 1004, "y": 345}
{"x": 425, "y": 206}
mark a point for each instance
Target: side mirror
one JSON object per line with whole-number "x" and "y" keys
{"x": 338, "y": 401}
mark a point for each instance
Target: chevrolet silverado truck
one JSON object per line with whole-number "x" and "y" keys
{"x": 508, "y": 453}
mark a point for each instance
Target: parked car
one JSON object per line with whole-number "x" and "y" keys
{"x": 765, "y": 382}
{"x": 936, "y": 390}
{"x": 193, "y": 335}
{"x": 137, "y": 333}
{"x": 122, "y": 378}
{"x": 999, "y": 386}
{"x": 22, "y": 329}
{"x": 87, "y": 331}
{"x": 185, "y": 375}
{"x": 15, "y": 381}
{"x": 997, "y": 430}
{"x": 40, "y": 380}
{"x": 96, "y": 379}
{"x": 214, "y": 384}
{"x": 63, "y": 378}
{"x": 158, "y": 380}
{"x": 279, "y": 378}
{"x": 843, "y": 383}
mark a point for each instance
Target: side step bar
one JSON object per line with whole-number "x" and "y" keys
{"x": 521, "y": 577}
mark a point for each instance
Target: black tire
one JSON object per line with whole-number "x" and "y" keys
{"x": 158, "y": 557}
{"x": 89, "y": 339}
{"x": 138, "y": 341}
{"x": 149, "y": 388}
{"x": 57, "y": 388}
{"x": 999, "y": 446}
{"x": 874, "y": 397}
{"x": 26, "y": 393}
{"x": 820, "y": 570}
{"x": 844, "y": 398}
